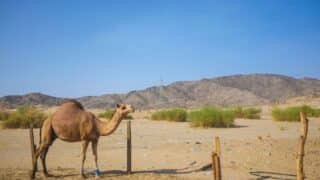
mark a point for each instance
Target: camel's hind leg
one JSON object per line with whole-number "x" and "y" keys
{"x": 39, "y": 151}
{"x": 43, "y": 157}
{"x": 47, "y": 137}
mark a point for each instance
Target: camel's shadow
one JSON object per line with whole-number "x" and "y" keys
{"x": 186, "y": 170}
{"x": 62, "y": 173}
{"x": 258, "y": 175}
{"x": 114, "y": 173}
{"x": 261, "y": 175}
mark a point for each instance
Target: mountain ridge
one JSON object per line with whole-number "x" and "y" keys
{"x": 240, "y": 89}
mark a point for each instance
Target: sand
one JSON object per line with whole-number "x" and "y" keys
{"x": 255, "y": 149}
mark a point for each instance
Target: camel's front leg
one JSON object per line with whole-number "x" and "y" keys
{"x": 95, "y": 155}
{"x": 83, "y": 156}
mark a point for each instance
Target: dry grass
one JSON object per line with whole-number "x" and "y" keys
{"x": 292, "y": 114}
{"x": 107, "y": 114}
{"x": 247, "y": 113}
{"x": 211, "y": 117}
{"x": 176, "y": 115}
{"x": 23, "y": 117}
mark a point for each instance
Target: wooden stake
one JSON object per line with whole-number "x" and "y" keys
{"x": 217, "y": 142}
{"x": 302, "y": 141}
{"x": 216, "y": 166}
{"x": 32, "y": 145}
{"x": 129, "y": 147}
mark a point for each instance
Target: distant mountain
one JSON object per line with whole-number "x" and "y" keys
{"x": 253, "y": 89}
{"x": 29, "y": 99}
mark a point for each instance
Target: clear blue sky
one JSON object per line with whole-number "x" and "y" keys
{"x": 74, "y": 48}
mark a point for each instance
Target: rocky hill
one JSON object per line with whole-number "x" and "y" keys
{"x": 253, "y": 89}
{"x": 14, "y": 101}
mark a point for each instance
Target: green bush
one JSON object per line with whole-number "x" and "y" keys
{"x": 316, "y": 112}
{"x": 108, "y": 114}
{"x": 4, "y": 116}
{"x": 176, "y": 115}
{"x": 23, "y": 117}
{"x": 247, "y": 113}
{"x": 292, "y": 114}
{"x": 211, "y": 117}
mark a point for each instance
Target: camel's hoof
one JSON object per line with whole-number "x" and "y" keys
{"x": 47, "y": 175}
{"x": 82, "y": 176}
{"x": 97, "y": 173}
{"x": 32, "y": 175}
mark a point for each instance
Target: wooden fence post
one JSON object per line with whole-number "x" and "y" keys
{"x": 302, "y": 141}
{"x": 32, "y": 145}
{"x": 216, "y": 165}
{"x": 129, "y": 146}
{"x": 214, "y": 168}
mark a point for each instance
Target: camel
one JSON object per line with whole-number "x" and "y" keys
{"x": 72, "y": 123}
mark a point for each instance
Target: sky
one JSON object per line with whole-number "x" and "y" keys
{"x": 78, "y": 48}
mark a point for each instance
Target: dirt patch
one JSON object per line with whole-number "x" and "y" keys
{"x": 165, "y": 150}
{"x": 72, "y": 174}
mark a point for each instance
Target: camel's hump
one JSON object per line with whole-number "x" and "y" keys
{"x": 75, "y": 102}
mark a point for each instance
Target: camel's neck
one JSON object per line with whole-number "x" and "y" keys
{"x": 107, "y": 128}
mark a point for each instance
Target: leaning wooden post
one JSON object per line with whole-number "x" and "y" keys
{"x": 302, "y": 141}
{"x": 216, "y": 166}
{"x": 129, "y": 147}
{"x": 32, "y": 145}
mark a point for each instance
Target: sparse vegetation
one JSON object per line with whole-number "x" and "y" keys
{"x": 108, "y": 114}
{"x": 282, "y": 128}
{"x": 176, "y": 115}
{"x": 292, "y": 114}
{"x": 4, "y": 116}
{"x": 211, "y": 117}
{"x": 247, "y": 113}
{"x": 23, "y": 117}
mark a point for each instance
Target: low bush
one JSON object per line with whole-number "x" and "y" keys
{"x": 108, "y": 114}
{"x": 176, "y": 115}
{"x": 247, "y": 113}
{"x": 211, "y": 117}
{"x": 4, "y": 116}
{"x": 292, "y": 114}
{"x": 23, "y": 117}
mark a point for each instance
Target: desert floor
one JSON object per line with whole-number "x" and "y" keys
{"x": 255, "y": 149}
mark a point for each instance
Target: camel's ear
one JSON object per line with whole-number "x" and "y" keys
{"x": 118, "y": 105}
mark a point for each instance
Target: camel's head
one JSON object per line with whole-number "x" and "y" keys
{"x": 124, "y": 109}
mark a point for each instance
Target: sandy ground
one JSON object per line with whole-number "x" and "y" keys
{"x": 255, "y": 149}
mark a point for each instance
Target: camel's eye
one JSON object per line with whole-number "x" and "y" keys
{"x": 123, "y": 108}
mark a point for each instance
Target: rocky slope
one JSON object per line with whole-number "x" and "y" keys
{"x": 253, "y": 89}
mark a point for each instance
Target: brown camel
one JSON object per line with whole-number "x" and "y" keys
{"x": 72, "y": 123}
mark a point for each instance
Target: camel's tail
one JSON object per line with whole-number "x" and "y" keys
{"x": 46, "y": 133}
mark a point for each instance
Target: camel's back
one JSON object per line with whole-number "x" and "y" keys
{"x": 66, "y": 120}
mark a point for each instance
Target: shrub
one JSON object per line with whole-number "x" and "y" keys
{"x": 4, "y": 116}
{"x": 292, "y": 114}
{"x": 176, "y": 115}
{"x": 314, "y": 112}
{"x": 23, "y": 117}
{"x": 247, "y": 113}
{"x": 211, "y": 117}
{"x": 108, "y": 114}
